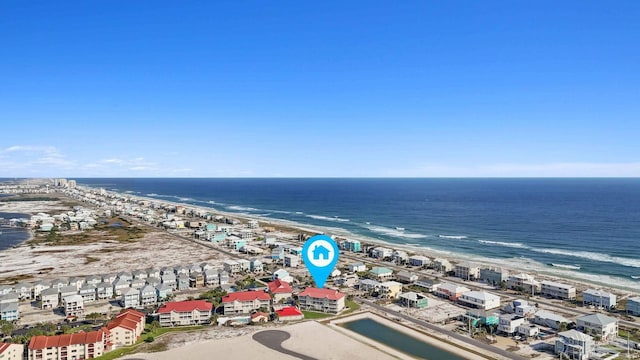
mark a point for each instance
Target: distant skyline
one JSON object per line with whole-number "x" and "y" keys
{"x": 329, "y": 89}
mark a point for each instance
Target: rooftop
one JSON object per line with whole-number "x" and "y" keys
{"x": 322, "y": 293}
{"x": 42, "y": 342}
{"x": 246, "y": 296}
{"x": 185, "y": 306}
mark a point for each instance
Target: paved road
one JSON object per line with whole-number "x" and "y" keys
{"x": 273, "y": 339}
{"x": 453, "y": 334}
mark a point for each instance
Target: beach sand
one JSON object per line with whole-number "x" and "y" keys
{"x": 309, "y": 338}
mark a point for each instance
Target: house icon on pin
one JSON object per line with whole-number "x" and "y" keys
{"x": 320, "y": 253}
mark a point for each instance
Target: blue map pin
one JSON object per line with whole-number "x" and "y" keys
{"x": 320, "y": 255}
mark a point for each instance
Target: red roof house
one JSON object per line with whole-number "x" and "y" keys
{"x": 324, "y": 300}
{"x": 86, "y": 344}
{"x": 289, "y": 313}
{"x": 127, "y": 327}
{"x": 244, "y": 302}
{"x": 191, "y": 312}
{"x": 280, "y": 290}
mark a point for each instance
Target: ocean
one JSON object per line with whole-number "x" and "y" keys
{"x": 587, "y": 228}
{"x": 10, "y": 236}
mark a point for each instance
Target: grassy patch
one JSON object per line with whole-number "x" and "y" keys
{"x": 351, "y": 306}
{"x": 312, "y": 315}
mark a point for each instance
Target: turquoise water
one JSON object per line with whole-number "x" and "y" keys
{"x": 399, "y": 341}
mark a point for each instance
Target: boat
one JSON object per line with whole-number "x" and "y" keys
{"x": 399, "y": 228}
{"x": 565, "y": 266}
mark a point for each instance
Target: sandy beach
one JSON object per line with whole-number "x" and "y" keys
{"x": 304, "y": 339}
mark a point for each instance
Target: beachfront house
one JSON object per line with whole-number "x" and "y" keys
{"x": 223, "y": 277}
{"x": 494, "y": 275}
{"x": 352, "y": 245}
{"x": 523, "y": 282}
{"x": 81, "y": 345}
{"x": 602, "y": 326}
{"x": 549, "y": 319}
{"x": 508, "y": 323}
{"x": 413, "y": 300}
{"x": 390, "y": 289}
{"x": 357, "y": 267}
{"x": 400, "y": 257}
{"x": 633, "y": 306}
{"x": 244, "y": 302}
{"x": 442, "y": 265}
{"x": 557, "y": 290}
{"x": 381, "y": 253}
{"x": 574, "y": 345}
{"x": 406, "y": 276}
{"x": 195, "y": 279}
{"x": 480, "y": 300}
{"x": 450, "y": 291}
{"x": 381, "y": 273}
{"x": 184, "y": 313}
{"x": 599, "y": 298}
{"x": 467, "y": 270}
{"x": 245, "y": 265}
{"x": 323, "y": 300}
{"x": 419, "y": 260}
{"x": 182, "y": 282}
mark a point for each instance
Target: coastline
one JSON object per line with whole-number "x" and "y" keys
{"x": 514, "y": 265}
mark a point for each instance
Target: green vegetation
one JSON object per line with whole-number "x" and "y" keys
{"x": 312, "y": 315}
{"x": 633, "y": 334}
{"x": 6, "y": 327}
{"x": 213, "y": 296}
{"x": 351, "y": 306}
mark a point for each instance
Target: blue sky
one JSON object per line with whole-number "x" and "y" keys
{"x": 334, "y": 88}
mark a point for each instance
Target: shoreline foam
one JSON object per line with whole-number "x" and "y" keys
{"x": 514, "y": 265}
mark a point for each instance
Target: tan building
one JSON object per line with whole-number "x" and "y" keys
{"x": 244, "y": 302}
{"x": 324, "y": 300}
{"x": 82, "y": 345}
{"x": 126, "y": 328}
{"x": 181, "y": 313}
{"x": 10, "y": 351}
